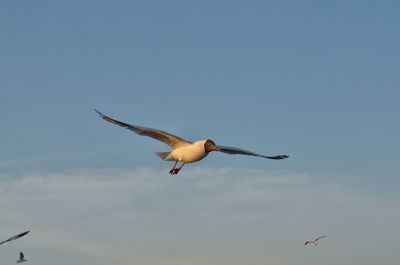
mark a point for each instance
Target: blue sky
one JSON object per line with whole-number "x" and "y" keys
{"x": 317, "y": 81}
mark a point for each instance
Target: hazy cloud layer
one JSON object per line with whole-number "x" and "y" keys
{"x": 202, "y": 216}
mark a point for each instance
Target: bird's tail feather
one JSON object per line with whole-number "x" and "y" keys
{"x": 163, "y": 155}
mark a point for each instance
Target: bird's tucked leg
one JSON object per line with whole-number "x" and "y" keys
{"x": 175, "y": 170}
{"x": 178, "y": 169}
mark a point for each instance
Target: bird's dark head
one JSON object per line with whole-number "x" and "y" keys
{"x": 209, "y": 146}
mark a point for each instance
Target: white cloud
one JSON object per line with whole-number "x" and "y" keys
{"x": 201, "y": 216}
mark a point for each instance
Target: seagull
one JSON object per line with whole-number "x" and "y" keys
{"x": 21, "y": 258}
{"x": 183, "y": 151}
{"x": 14, "y": 237}
{"x": 314, "y": 242}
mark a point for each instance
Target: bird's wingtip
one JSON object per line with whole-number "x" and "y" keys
{"x": 98, "y": 112}
{"x": 279, "y": 157}
{"x": 24, "y": 233}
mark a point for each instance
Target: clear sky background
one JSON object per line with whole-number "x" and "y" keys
{"x": 317, "y": 81}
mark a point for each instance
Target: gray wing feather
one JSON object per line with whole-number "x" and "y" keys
{"x": 167, "y": 138}
{"x": 239, "y": 151}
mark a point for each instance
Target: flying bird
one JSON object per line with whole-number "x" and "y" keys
{"x": 314, "y": 242}
{"x": 14, "y": 237}
{"x": 21, "y": 258}
{"x": 183, "y": 151}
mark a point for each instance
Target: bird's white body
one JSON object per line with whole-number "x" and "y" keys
{"x": 188, "y": 153}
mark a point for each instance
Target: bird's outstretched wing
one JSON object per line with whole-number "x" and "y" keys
{"x": 318, "y": 238}
{"x": 239, "y": 151}
{"x": 14, "y": 237}
{"x": 169, "y": 139}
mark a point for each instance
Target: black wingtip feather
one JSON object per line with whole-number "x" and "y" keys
{"x": 278, "y": 157}
{"x": 98, "y": 112}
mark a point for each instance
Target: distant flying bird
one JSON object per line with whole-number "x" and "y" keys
{"x": 315, "y": 241}
{"x": 21, "y": 258}
{"x": 184, "y": 151}
{"x": 14, "y": 237}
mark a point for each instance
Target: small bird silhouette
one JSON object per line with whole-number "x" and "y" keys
{"x": 314, "y": 242}
{"x": 21, "y": 258}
